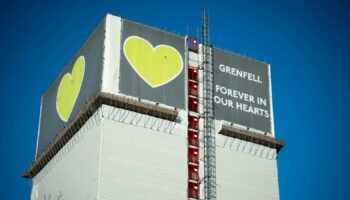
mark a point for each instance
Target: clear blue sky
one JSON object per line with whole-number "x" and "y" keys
{"x": 306, "y": 42}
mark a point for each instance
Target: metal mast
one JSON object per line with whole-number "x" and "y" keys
{"x": 209, "y": 121}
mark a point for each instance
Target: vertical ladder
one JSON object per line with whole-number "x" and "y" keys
{"x": 209, "y": 121}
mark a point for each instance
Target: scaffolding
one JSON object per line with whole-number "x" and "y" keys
{"x": 125, "y": 104}
{"x": 193, "y": 119}
{"x": 209, "y": 121}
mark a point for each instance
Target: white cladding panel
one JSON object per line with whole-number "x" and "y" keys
{"x": 111, "y": 62}
{"x": 73, "y": 172}
{"x": 141, "y": 163}
{"x": 111, "y": 159}
{"x": 243, "y": 176}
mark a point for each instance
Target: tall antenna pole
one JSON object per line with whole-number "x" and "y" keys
{"x": 209, "y": 121}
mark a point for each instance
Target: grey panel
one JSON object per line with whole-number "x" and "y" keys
{"x": 228, "y": 70}
{"x": 132, "y": 84}
{"x": 51, "y": 124}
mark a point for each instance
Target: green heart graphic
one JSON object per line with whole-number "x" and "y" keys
{"x": 69, "y": 89}
{"x": 157, "y": 66}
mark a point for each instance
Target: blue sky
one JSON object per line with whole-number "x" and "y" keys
{"x": 306, "y": 42}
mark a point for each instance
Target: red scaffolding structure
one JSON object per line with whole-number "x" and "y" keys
{"x": 193, "y": 124}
